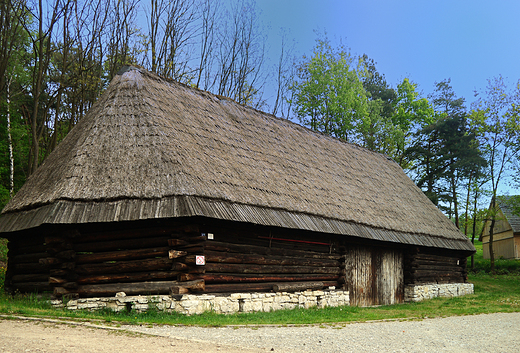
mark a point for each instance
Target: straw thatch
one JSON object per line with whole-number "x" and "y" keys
{"x": 153, "y": 148}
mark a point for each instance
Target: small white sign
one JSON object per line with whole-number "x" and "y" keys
{"x": 210, "y": 235}
{"x": 200, "y": 260}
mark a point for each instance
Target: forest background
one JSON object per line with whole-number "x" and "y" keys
{"x": 58, "y": 56}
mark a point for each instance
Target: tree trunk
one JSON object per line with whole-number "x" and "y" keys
{"x": 491, "y": 231}
{"x": 10, "y": 140}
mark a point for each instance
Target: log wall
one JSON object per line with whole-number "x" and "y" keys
{"x": 422, "y": 267}
{"x": 25, "y": 270}
{"x": 249, "y": 259}
{"x": 92, "y": 261}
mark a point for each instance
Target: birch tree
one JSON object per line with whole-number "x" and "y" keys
{"x": 496, "y": 119}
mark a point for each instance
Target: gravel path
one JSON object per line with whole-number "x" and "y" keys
{"x": 478, "y": 333}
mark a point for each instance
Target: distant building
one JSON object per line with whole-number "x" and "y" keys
{"x": 506, "y": 233}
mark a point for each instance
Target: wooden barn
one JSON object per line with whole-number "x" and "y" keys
{"x": 506, "y": 232}
{"x": 162, "y": 187}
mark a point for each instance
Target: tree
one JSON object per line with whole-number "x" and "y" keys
{"x": 411, "y": 112}
{"x": 171, "y": 30}
{"x": 284, "y": 75}
{"x": 240, "y": 57}
{"x": 328, "y": 95}
{"x": 379, "y": 133}
{"x": 496, "y": 120}
{"x": 209, "y": 11}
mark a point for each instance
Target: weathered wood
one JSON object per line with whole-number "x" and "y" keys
{"x": 110, "y": 289}
{"x": 31, "y": 257}
{"x": 139, "y": 243}
{"x": 32, "y": 287}
{"x": 29, "y": 268}
{"x": 63, "y": 273}
{"x": 190, "y": 286}
{"x": 426, "y": 263}
{"x": 70, "y": 285}
{"x": 66, "y": 255}
{"x": 177, "y": 242}
{"x": 440, "y": 272}
{"x": 55, "y": 239}
{"x": 297, "y": 286}
{"x": 450, "y": 268}
{"x": 262, "y": 250}
{"x": 428, "y": 257}
{"x": 252, "y": 268}
{"x": 57, "y": 280}
{"x": 125, "y": 234}
{"x": 122, "y": 255}
{"x": 30, "y": 249}
{"x": 173, "y": 254}
{"x": 179, "y": 266}
{"x": 247, "y": 287}
{"x": 128, "y": 277}
{"x": 236, "y": 258}
{"x": 50, "y": 261}
{"x": 67, "y": 266}
{"x": 243, "y": 278}
{"x": 36, "y": 277}
{"x": 184, "y": 277}
{"x": 125, "y": 266}
{"x": 53, "y": 249}
{"x": 192, "y": 248}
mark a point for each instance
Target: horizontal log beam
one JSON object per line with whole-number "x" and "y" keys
{"x": 36, "y": 277}
{"x": 236, "y": 258}
{"x": 128, "y": 277}
{"x": 451, "y": 268}
{"x": 250, "y": 268}
{"x": 15, "y": 250}
{"x": 297, "y": 286}
{"x": 247, "y": 287}
{"x": 263, "y": 250}
{"x": 173, "y": 254}
{"x": 122, "y": 255}
{"x": 28, "y": 258}
{"x": 125, "y": 266}
{"x": 135, "y": 288}
{"x": 26, "y": 287}
{"x": 30, "y": 268}
{"x": 187, "y": 287}
{"x": 125, "y": 234}
{"x": 243, "y": 278}
{"x": 139, "y": 243}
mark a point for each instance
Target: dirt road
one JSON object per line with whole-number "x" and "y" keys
{"x": 478, "y": 333}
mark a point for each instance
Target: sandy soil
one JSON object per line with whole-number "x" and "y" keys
{"x": 37, "y": 336}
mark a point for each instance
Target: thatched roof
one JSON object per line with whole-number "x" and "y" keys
{"x": 153, "y": 148}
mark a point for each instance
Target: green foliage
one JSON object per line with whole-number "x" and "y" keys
{"x": 329, "y": 95}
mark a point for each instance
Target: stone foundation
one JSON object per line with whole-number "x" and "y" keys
{"x": 419, "y": 292}
{"x": 190, "y": 304}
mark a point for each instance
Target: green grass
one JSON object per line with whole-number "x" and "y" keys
{"x": 500, "y": 293}
{"x": 492, "y": 294}
{"x": 502, "y": 266}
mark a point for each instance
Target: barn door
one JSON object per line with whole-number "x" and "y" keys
{"x": 374, "y": 276}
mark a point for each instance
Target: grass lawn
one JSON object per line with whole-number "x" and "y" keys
{"x": 500, "y": 293}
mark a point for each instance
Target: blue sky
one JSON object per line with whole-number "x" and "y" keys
{"x": 468, "y": 41}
